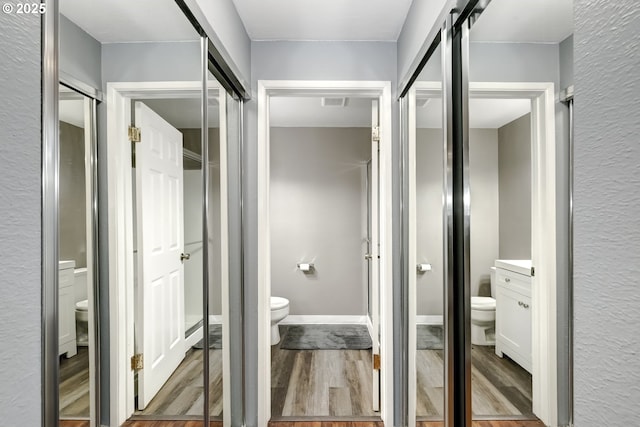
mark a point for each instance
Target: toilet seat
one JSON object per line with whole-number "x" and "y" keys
{"x": 278, "y": 302}
{"x": 82, "y": 305}
{"x": 483, "y": 303}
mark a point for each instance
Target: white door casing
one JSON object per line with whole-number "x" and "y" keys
{"x": 372, "y": 89}
{"x": 160, "y": 231}
{"x": 374, "y": 254}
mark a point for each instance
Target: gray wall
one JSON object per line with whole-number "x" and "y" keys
{"x": 302, "y": 61}
{"x": 318, "y": 214}
{"x": 483, "y": 186}
{"x": 607, "y": 223}
{"x": 20, "y": 210}
{"x": 228, "y": 28}
{"x": 483, "y": 169}
{"x": 165, "y": 61}
{"x": 80, "y": 54}
{"x": 566, "y": 62}
{"x": 514, "y": 153}
{"x": 421, "y": 17}
{"x": 429, "y": 239}
{"x": 73, "y": 204}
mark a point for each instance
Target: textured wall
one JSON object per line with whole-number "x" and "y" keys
{"x": 607, "y": 223}
{"x": 318, "y": 214}
{"x": 20, "y": 197}
{"x": 514, "y": 140}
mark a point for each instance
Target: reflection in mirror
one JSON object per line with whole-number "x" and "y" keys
{"x": 427, "y": 270}
{"x": 155, "y": 199}
{"x": 76, "y": 317}
{"x": 217, "y": 246}
{"x": 512, "y": 182}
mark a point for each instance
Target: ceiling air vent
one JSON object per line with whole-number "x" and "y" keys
{"x": 334, "y": 102}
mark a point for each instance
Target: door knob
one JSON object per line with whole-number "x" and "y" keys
{"x": 184, "y": 257}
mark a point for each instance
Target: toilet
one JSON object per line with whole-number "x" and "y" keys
{"x": 82, "y": 323}
{"x": 279, "y": 310}
{"x": 81, "y": 306}
{"x": 483, "y": 316}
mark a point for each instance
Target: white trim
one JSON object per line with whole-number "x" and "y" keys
{"x": 120, "y": 220}
{"x": 214, "y": 319}
{"x": 429, "y": 319}
{"x": 302, "y": 319}
{"x": 544, "y": 345}
{"x": 267, "y": 88}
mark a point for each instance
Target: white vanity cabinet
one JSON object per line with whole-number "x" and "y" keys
{"x": 513, "y": 311}
{"x": 66, "y": 310}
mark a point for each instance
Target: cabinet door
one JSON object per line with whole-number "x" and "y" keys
{"x": 66, "y": 315}
{"x": 513, "y": 325}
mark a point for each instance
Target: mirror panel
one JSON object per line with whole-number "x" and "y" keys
{"x": 427, "y": 268}
{"x": 76, "y": 335}
{"x": 512, "y": 177}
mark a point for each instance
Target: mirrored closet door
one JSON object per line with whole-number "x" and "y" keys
{"x": 162, "y": 145}
{"x": 77, "y": 273}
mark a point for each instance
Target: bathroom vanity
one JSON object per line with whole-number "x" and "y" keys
{"x": 66, "y": 310}
{"x": 513, "y": 311}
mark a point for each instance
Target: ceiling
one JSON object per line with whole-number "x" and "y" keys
{"x": 539, "y": 21}
{"x": 121, "y": 21}
{"x": 323, "y": 19}
{"x": 309, "y": 112}
{"x": 72, "y": 111}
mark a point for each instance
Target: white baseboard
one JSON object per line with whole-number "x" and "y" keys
{"x": 436, "y": 319}
{"x": 302, "y": 319}
{"x": 214, "y": 319}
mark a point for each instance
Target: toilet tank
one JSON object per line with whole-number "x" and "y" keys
{"x": 493, "y": 282}
{"x": 80, "y": 284}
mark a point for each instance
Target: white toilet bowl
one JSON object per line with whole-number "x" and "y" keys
{"x": 279, "y": 310}
{"x": 483, "y": 317}
{"x": 82, "y": 323}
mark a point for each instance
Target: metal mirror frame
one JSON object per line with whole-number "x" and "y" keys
{"x": 213, "y": 59}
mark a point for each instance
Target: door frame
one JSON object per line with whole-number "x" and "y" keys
{"x": 382, "y": 90}
{"x": 120, "y": 235}
{"x": 543, "y": 222}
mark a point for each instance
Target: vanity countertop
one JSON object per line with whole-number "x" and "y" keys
{"x": 521, "y": 266}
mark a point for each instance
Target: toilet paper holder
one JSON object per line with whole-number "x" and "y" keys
{"x": 423, "y": 268}
{"x": 306, "y": 267}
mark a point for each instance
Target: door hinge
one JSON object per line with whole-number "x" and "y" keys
{"x": 376, "y": 362}
{"x": 137, "y": 362}
{"x": 134, "y": 134}
{"x": 375, "y": 133}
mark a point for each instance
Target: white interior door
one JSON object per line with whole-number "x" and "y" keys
{"x": 159, "y": 203}
{"x": 374, "y": 254}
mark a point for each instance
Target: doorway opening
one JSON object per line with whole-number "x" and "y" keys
{"x": 162, "y": 313}
{"x": 512, "y": 250}
{"x": 324, "y": 250}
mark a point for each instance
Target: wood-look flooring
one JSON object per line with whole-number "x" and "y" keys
{"x": 74, "y": 385}
{"x": 183, "y": 393}
{"x": 318, "y": 383}
{"x": 499, "y": 387}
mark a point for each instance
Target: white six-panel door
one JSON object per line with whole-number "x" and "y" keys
{"x": 375, "y": 252}
{"x": 160, "y": 231}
